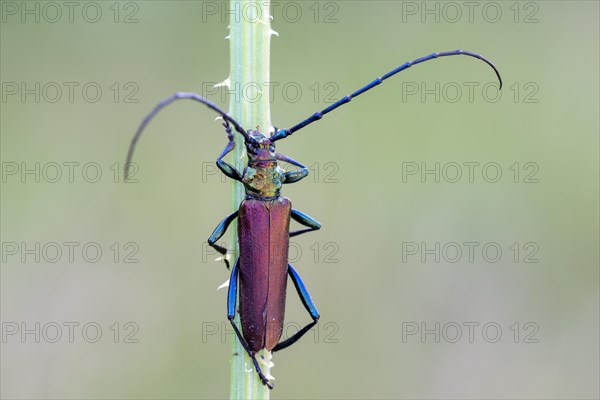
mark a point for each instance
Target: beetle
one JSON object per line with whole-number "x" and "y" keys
{"x": 262, "y": 267}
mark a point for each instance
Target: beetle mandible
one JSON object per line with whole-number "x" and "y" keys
{"x": 264, "y": 217}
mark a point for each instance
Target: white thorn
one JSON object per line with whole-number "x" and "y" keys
{"x": 227, "y": 37}
{"x": 264, "y": 358}
{"x": 266, "y": 361}
{"x": 246, "y": 368}
{"x": 222, "y": 258}
{"x": 269, "y": 376}
{"x": 224, "y": 285}
{"x": 226, "y": 83}
{"x": 272, "y": 32}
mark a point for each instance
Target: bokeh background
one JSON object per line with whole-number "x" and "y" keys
{"x": 152, "y": 290}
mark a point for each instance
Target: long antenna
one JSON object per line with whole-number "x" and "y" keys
{"x": 166, "y": 102}
{"x": 319, "y": 114}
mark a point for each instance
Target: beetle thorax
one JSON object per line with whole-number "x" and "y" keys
{"x": 262, "y": 177}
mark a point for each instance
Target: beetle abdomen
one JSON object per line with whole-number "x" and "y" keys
{"x": 263, "y": 228}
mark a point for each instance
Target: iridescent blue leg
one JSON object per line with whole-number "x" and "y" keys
{"x": 231, "y": 299}
{"x": 296, "y": 175}
{"x": 228, "y": 169}
{"x": 308, "y": 304}
{"x": 282, "y": 133}
{"x": 305, "y": 220}
{"x": 218, "y": 234}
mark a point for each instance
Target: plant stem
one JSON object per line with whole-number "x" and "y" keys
{"x": 250, "y": 40}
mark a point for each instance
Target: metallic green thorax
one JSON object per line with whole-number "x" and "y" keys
{"x": 262, "y": 177}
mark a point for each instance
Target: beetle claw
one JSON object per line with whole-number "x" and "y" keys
{"x": 264, "y": 358}
{"x": 266, "y": 382}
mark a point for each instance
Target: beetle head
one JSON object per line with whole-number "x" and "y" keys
{"x": 260, "y": 148}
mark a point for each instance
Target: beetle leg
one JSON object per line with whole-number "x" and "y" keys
{"x": 308, "y": 304}
{"x": 218, "y": 234}
{"x": 231, "y": 298}
{"x": 295, "y": 175}
{"x": 228, "y": 169}
{"x": 306, "y": 220}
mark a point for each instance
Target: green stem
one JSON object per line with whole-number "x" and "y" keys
{"x": 250, "y": 39}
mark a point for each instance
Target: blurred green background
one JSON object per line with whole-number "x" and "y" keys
{"x": 368, "y": 270}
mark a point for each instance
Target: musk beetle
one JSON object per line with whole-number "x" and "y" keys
{"x": 262, "y": 268}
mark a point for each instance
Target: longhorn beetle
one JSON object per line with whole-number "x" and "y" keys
{"x": 264, "y": 216}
